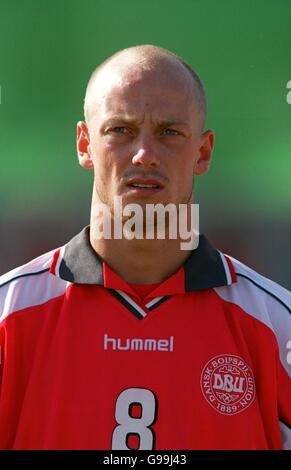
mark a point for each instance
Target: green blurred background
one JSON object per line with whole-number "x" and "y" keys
{"x": 242, "y": 52}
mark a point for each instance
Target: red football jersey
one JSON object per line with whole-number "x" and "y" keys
{"x": 200, "y": 362}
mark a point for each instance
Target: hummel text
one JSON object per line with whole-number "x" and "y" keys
{"x": 139, "y": 344}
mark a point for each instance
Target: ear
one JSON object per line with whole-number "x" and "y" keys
{"x": 84, "y": 146}
{"x": 205, "y": 152}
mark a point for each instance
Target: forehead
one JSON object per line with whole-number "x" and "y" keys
{"x": 163, "y": 91}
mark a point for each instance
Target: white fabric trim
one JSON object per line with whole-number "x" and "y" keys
{"x": 154, "y": 301}
{"x": 132, "y": 302}
{"x": 262, "y": 305}
{"x": 226, "y": 269}
{"x": 31, "y": 288}
{"x": 37, "y": 264}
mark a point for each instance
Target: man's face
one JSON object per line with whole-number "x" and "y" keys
{"x": 144, "y": 138}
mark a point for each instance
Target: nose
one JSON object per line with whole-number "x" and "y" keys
{"x": 146, "y": 156}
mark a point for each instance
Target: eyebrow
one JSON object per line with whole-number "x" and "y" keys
{"x": 172, "y": 122}
{"x": 132, "y": 121}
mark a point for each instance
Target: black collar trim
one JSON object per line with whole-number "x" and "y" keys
{"x": 205, "y": 268}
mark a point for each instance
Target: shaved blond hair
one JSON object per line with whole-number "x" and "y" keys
{"x": 148, "y": 58}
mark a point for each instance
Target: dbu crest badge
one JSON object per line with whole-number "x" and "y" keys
{"x": 227, "y": 383}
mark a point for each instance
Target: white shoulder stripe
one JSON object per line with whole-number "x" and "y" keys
{"x": 29, "y": 285}
{"x": 272, "y": 287}
{"x": 37, "y": 264}
{"x": 264, "y": 300}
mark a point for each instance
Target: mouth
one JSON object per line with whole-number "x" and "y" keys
{"x": 144, "y": 186}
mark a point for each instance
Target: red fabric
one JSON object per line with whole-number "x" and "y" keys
{"x": 55, "y": 260}
{"x": 67, "y": 384}
{"x": 175, "y": 284}
{"x": 144, "y": 289}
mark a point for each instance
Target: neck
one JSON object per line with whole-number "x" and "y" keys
{"x": 138, "y": 261}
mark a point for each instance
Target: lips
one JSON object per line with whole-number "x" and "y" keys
{"x": 135, "y": 185}
{"x": 145, "y": 183}
{"x": 144, "y": 187}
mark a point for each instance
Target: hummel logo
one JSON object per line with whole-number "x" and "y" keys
{"x": 139, "y": 344}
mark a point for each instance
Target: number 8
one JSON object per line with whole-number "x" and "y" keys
{"x": 129, "y": 425}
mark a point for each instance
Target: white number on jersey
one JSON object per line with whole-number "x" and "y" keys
{"x": 127, "y": 424}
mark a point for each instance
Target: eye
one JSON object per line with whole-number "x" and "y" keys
{"x": 119, "y": 130}
{"x": 170, "y": 131}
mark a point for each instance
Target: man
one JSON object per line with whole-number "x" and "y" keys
{"x": 120, "y": 342}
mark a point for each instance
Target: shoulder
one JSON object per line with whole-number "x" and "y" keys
{"x": 263, "y": 300}
{"x": 28, "y": 285}
{"x": 252, "y": 289}
{"x": 34, "y": 267}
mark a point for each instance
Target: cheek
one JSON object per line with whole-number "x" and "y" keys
{"x": 109, "y": 153}
{"x": 101, "y": 157}
{"x": 107, "y": 167}
{"x": 183, "y": 169}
